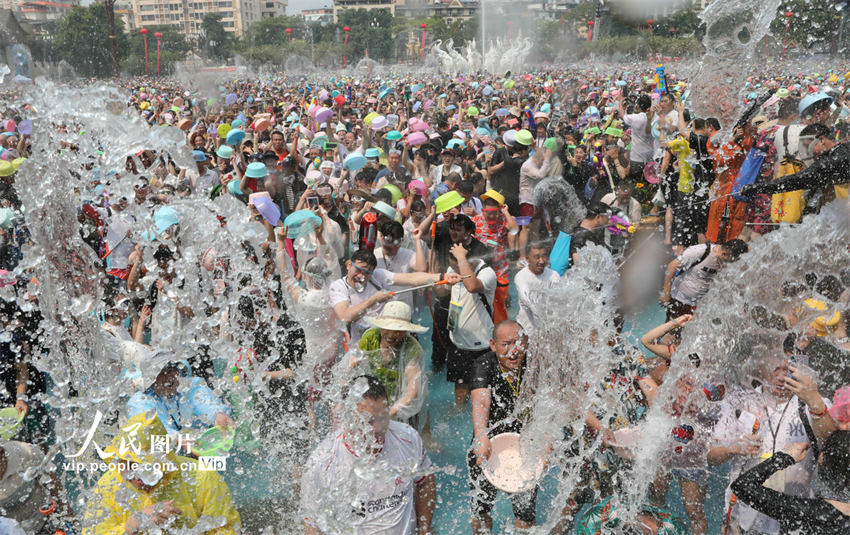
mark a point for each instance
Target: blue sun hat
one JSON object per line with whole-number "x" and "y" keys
{"x": 546, "y": 107}
{"x": 812, "y": 99}
{"x": 301, "y": 223}
{"x": 234, "y": 189}
{"x": 256, "y": 170}
{"x": 234, "y": 137}
{"x": 373, "y": 152}
{"x": 237, "y": 123}
{"x": 199, "y": 155}
{"x": 224, "y": 151}
{"x": 393, "y": 135}
{"x": 455, "y": 143}
{"x": 163, "y": 219}
{"x": 354, "y": 161}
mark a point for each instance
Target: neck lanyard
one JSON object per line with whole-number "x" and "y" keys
{"x": 773, "y": 433}
{"x": 514, "y": 387}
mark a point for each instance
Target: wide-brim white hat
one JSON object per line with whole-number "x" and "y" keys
{"x": 395, "y": 317}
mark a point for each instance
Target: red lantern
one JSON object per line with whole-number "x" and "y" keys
{"x": 289, "y": 33}
{"x": 158, "y": 36}
{"x": 590, "y": 24}
{"x": 422, "y": 48}
{"x": 144, "y": 32}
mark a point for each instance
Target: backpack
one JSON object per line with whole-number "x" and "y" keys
{"x": 787, "y": 207}
{"x": 748, "y": 174}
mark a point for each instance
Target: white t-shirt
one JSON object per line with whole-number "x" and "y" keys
{"x": 473, "y": 325}
{"x": 693, "y": 282}
{"x": 780, "y": 419}
{"x": 643, "y": 145}
{"x": 339, "y": 291}
{"x": 633, "y": 210}
{"x": 402, "y": 262}
{"x": 437, "y": 174}
{"x": 795, "y": 148}
{"x": 527, "y": 284}
{"x": 378, "y": 502}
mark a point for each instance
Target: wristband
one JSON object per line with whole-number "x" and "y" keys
{"x": 820, "y": 414}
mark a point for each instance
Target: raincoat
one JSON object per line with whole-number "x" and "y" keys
{"x": 198, "y": 494}
{"x": 402, "y": 376}
{"x": 194, "y": 406}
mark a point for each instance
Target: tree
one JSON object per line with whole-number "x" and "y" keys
{"x": 82, "y": 39}
{"x": 814, "y": 25}
{"x": 370, "y": 30}
{"x": 219, "y": 42}
{"x": 173, "y": 46}
{"x": 272, "y": 31}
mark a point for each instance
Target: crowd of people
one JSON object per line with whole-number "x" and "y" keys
{"x": 400, "y": 232}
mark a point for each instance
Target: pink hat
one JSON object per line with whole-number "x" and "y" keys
{"x": 418, "y": 187}
{"x": 840, "y": 410}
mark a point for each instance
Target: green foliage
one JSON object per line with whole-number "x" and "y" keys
{"x": 272, "y": 31}
{"x": 370, "y": 30}
{"x": 82, "y": 39}
{"x": 217, "y": 41}
{"x": 815, "y": 24}
{"x": 645, "y": 44}
{"x": 173, "y": 48}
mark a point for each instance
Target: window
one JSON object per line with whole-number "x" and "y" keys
{"x": 228, "y": 24}
{"x": 147, "y": 7}
{"x": 148, "y": 18}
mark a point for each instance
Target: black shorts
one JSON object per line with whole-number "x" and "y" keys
{"x": 483, "y": 495}
{"x": 459, "y": 364}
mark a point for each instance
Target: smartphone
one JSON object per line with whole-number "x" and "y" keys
{"x": 312, "y": 202}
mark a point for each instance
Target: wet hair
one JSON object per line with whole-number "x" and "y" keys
{"x": 817, "y": 130}
{"x": 464, "y": 220}
{"x": 597, "y": 208}
{"x": 366, "y": 256}
{"x": 699, "y": 124}
{"x": 454, "y": 178}
{"x": 835, "y": 470}
{"x": 788, "y": 108}
{"x": 375, "y": 389}
{"x": 392, "y": 229}
{"x": 735, "y": 248}
{"x": 367, "y": 174}
{"x": 383, "y": 195}
{"x": 539, "y": 244}
{"x": 465, "y": 187}
{"x": 317, "y": 268}
{"x": 502, "y": 324}
{"x": 417, "y": 205}
{"x": 644, "y": 102}
{"x": 476, "y": 178}
{"x": 713, "y": 123}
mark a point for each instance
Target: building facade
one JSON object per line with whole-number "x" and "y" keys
{"x": 272, "y": 8}
{"x": 186, "y": 15}
{"x": 368, "y": 5}
{"x": 322, "y": 15}
{"x": 37, "y": 13}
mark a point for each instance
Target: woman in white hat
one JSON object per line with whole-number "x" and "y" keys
{"x": 395, "y": 357}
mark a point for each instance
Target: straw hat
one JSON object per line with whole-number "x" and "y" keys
{"x": 396, "y": 317}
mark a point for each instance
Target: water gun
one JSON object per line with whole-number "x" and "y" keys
{"x": 349, "y": 91}
{"x": 530, "y": 117}
{"x": 620, "y": 226}
{"x": 598, "y": 156}
{"x": 660, "y": 80}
